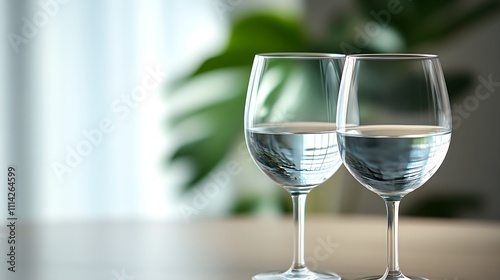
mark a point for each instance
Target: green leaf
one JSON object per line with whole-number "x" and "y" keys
{"x": 226, "y": 123}
{"x": 257, "y": 34}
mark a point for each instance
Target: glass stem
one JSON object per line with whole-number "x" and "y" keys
{"x": 299, "y": 204}
{"x": 392, "y": 207}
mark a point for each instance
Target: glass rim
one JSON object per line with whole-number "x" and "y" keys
{"x": 393, "y": 56}
{"x": 300, "y": 55}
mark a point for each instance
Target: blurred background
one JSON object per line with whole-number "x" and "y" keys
{"x": 134, "y": 109}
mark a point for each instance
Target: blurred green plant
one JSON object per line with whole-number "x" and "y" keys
{"x": 417, "y": 23}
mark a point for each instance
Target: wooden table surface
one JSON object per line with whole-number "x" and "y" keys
{"x": 237, "y": 248}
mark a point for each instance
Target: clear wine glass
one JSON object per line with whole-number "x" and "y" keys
{"x": 393, "y": 129}
{"x": 290, "y": 132}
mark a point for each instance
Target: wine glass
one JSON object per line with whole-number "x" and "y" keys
{"x": 290, "y": 133}
{"x": 393, "y": 129}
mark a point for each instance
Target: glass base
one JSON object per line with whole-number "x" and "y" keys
{"x": 394, "y": 277}
{"x": 296, "y": 275}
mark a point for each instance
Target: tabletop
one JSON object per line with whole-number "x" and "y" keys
{"x": 239, "y": 247}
